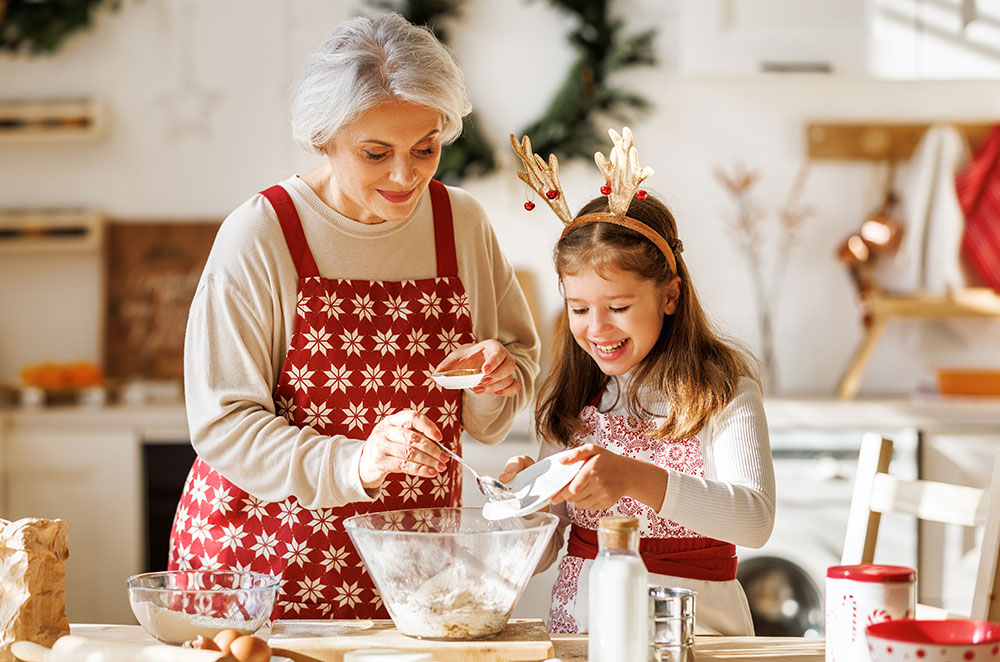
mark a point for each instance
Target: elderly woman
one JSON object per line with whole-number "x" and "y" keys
{"x": 325, "y": 302}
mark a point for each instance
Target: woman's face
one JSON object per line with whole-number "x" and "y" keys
{"x": 617, "y": 317}
{"x": 382, "y": 162}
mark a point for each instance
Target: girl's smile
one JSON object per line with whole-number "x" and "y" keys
{"x": 609, "y": 352}
{"x": 616, "y": 317}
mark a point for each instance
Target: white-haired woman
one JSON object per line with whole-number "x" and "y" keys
{"x": 325, "y": 301}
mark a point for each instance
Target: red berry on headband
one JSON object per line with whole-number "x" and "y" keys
{"x": 529, "y": 205}
{"x": 552, "y": 194}
{"x": 605, "y": 190}
{"x": 640, "y": 194}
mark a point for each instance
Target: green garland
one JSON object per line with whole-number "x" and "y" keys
{"x": 471, "y": 155}
{"x": 40, "y": 27}
{"x": 567, "y": 128}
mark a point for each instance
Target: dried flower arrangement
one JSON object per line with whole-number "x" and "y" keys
{"x": 748, "y": 233}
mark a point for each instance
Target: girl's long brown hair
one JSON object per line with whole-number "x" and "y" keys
{"x": 692, "y": 364}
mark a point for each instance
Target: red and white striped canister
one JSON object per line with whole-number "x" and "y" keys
{"x": 859, "y": 595}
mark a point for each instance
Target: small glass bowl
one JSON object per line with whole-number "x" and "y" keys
{"x": 178, "y": 605}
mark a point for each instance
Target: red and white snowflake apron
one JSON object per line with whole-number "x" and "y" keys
{"x": 360, "y": 350}
{"x": 668, "y": 549}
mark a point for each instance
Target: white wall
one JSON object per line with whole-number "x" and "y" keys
{"x": 247, "y": 52}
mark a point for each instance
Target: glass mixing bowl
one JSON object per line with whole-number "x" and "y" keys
{"x": 449, "y": 573}
{"x": 176, "y": 606}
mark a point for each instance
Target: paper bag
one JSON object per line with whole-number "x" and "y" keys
{"x": 33, "y": 555}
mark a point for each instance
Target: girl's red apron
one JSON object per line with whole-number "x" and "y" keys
{"x": 360, "y": 350}
{"x": 666, "y": 547}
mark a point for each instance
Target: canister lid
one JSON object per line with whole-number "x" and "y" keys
{"x": 872, "y": 572}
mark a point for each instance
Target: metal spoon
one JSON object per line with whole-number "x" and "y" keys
{"x": 491, "y": 488}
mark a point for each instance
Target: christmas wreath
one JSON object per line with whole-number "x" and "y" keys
{"x": 567, "y": 128}
{"x": 41, "y": 26}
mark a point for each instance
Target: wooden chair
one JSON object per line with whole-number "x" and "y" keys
{"x": 876, "y": 491}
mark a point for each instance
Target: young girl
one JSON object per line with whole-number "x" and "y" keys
{"x": 665, "y": 411}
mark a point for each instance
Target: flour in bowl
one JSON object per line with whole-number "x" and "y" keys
{"x": 176, "y": 627}
{"x": 454, "y": 605}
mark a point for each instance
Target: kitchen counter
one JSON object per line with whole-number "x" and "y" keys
{"x": 928, "y": 413}
{"x": 573, "y": 648}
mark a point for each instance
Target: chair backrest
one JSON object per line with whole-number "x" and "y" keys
{"x": 876, "y": 491}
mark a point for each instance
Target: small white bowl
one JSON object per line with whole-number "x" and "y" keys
{"x": 462, "y": 378}
{"x": 534, "y": 487}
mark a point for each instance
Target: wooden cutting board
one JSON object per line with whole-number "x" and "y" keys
{"x": 523, "y": 640}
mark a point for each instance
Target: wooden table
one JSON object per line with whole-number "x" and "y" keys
{"x": 573, "y": 647}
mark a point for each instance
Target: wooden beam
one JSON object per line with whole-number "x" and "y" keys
{"x": 875, "y": 141}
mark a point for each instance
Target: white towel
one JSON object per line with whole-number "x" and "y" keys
{"x": 929, "y": 257}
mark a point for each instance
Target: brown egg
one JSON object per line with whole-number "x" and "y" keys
{"x": 250, "y": 649}
{"x": 225, "y": 638}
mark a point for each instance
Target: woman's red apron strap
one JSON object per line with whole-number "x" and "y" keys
{"x": 291, "y": 226}
{"x": 693, "y": 558}
{"x": 444, "y": 231}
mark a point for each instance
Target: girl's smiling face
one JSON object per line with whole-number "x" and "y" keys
{"x": 617, "y": 317}
{"x": 382, "y": 162}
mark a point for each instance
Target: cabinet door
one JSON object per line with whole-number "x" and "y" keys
{"x": 89, "y": 478}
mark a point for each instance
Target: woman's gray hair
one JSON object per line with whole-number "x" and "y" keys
{"x": 367, "y": 61}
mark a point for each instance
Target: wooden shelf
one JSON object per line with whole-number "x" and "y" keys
{"x": 885, "y": 308}
{"x": 51, "y": 120}
{"x": 23, "y": 230}
{"x": 875, "y": 141}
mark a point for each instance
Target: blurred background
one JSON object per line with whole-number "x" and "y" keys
{"x": 808, "y": 151}
{"x": 194, "y": 119}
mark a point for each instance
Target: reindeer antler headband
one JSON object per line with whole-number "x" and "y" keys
{"x": 622, "y": 176}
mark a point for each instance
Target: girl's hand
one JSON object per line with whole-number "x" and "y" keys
{"x": 601, "y": 481}
{"x": 490, "y": 356}
{"x": 514, "y": 466}
{"x": 606, "y": 477}
{"x": 401, "y": 443}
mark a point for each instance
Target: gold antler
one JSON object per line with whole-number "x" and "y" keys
{"x": 542, "y": 178}
{"x": 622, "y": 172}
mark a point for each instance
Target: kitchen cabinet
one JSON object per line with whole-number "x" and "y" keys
{"x": 83, "y": 466}
{"x": 88, "y": 479}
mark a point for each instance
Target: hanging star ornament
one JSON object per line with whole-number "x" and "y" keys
{"x": 188, "y": 109}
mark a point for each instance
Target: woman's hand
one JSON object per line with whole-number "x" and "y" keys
{"x": 514, "y": 466}
{"x": 401, "y": 443}
{"x": 606, "y": 477}
{"x": 490, "y": 356}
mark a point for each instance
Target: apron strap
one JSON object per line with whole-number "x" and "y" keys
{"x": 444, "y": 230}
{"x": 693, "y": 558}
{"x": 291, "y": 227}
